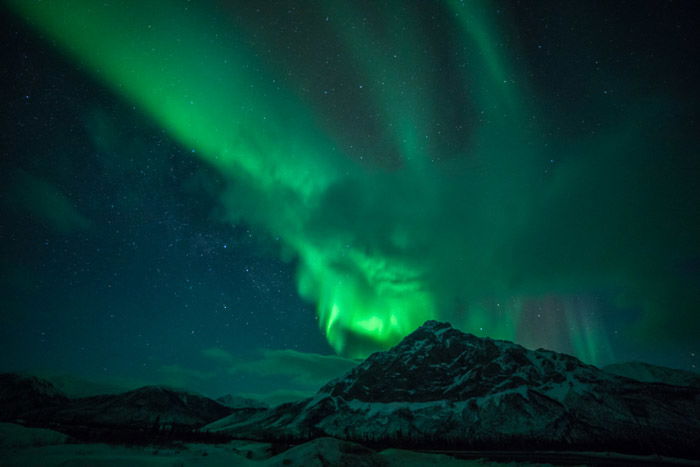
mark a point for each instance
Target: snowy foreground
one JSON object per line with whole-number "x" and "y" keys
{"x": 21, "y": 446}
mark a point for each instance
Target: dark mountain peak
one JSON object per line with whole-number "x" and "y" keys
{"x": 433, "y": 330}
{"x": 439, "y": 362}
{"x": 436, "y": 336}
{"x": 434, "y": 326}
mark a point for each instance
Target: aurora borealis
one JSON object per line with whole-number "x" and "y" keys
{"x": 526, "y": 172}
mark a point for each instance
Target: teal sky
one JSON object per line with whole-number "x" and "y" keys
{"x": 322, "y": 177}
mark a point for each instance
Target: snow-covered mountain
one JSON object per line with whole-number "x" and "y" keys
{"x": 442, "y": 386}
{"x": 649, "y": 373}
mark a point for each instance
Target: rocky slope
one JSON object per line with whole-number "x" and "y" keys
{"x": 440, "y": 386}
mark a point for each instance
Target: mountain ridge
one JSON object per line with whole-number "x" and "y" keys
{"x": 437, "y": 388}
{"x": 37, "y": 402}
{"x": 648, "y": 373}
{"x": 442, "y": 386}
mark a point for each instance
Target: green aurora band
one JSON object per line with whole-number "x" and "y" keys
{"x": 395, "y": 210}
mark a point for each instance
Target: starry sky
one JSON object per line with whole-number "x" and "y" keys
{"x": 248, "y": 197}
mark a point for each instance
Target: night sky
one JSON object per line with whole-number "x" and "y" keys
{"x": 246, "y": 196}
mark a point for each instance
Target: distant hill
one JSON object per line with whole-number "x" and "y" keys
{"x": 238, "y": 402}
{"x": 442, "y": 387}
{"x": 131, "y": 415}
{"x": 22, "y": 393}
{"x": 143, "y": 406}
{"x": 75, "y": 387}
{"x": 654, "y": 374}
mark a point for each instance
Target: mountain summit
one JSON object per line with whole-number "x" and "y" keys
{"x": 440, "y": 386}
{"x": 438, "y": 362}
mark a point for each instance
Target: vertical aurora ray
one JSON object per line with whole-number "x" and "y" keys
{"x": 416, "y": 194}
